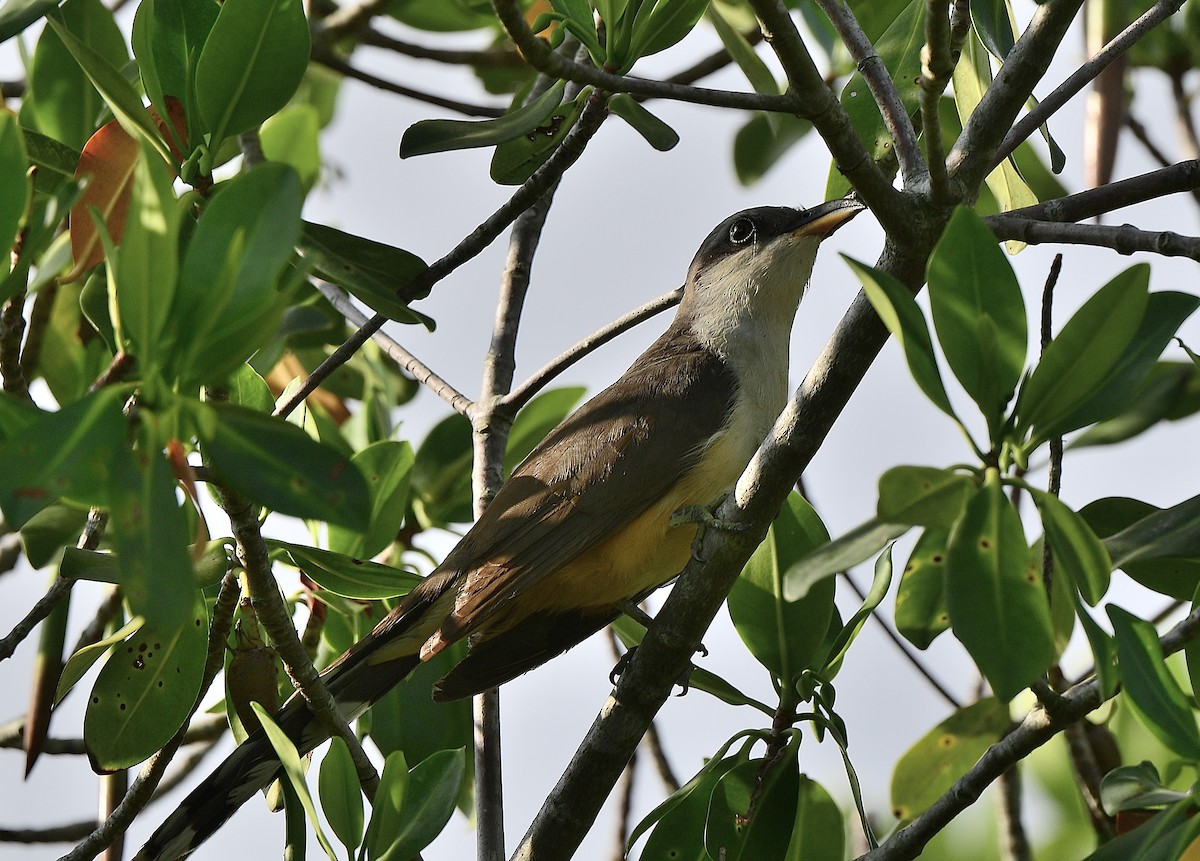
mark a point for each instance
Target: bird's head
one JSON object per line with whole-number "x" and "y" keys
{"x": 756, "y": 263}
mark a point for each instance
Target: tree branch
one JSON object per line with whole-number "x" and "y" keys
{"x": 938, "y": 59}
{"x": 491, "y": 58}
{"x": 973, "y": 153}
{"x": 1124, "y": 239}
{"x": 883, "y": 89}
{"x": 335, "y": 63}
{"x": 1082, "y": 76}
{"x": 1181, "y": 177}
{"x": 567, "y": 154}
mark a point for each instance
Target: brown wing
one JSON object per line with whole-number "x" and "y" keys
{"x": 593, "y": 474}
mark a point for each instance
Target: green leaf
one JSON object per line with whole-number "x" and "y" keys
{"x": 1166, "y": 392}
{"x": 66, "y": 454}
{"x": 1153, "y": 693}
{"x": 95, "y": 565}
{"x": 656, "y": 132}
{"x": 16, "y": 15}
{"x": 378, "y": 274}
{"x": 231, "y": 272}
{"x": 842, "y": 554}
{"x": 784, "y": 636}
{"x": 1136, "y": 787}
{"x": 993, "y": 25}
{"x": 921, "y": 613}
{"x": 751, "y": 815}
{"x": 15, "y": 191}
{"x": 16, "y": 414}
{"x": 762, "y": 141}
{"x": 515, "y": 160}
{"x": 994, "y": 592}
{"x": 427, "y": 805}
{"x": 65, "y": 104}
{"x": 1164, "y": 836}
{"x": 291, "y": 137}
{"x": 923, "y": 496}
{"x": 429, "y": 136}
{"x": 1170, "y": 532}
{"x": 819, "y": 833}
{"x": 880, "y": 584}
{"x": 1076, "y": 547}
{"x": 49, "y": 531}
{"x": 387, "y": 467}
{"x": 1173, "y": 576}
{"x": 346, "y": 575}
{"x": 145, "y": 692}
{"x": 659, "y": 25}
{"x": 289, "y": 758}
{"x": 757, "y": 72}
{"x": 341, "y": 797}
{"x": 1076, "y": 363}
{"x": 252, "y": 63}
{"x": 120, "y": 96}
{"x": 1104, "y": 650}
{"x": 386, "y": 810}
{"x": 577, "y": 17}
{"x": 54, "y": 160}
{"x": 278, "y": 465}
{"x": 678, "y": 822}
{"x": 931, "y": 766}
{"x": 978, "y": 313}
{"x": 898, "y": 310}
{"x": 900, "y": 50}
{"x": 79, "y": 663}
{"x": 150, "y": 533}
{"x": 441, "y": 476}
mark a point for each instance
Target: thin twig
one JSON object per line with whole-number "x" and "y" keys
{"x": 938, "y": 60}
{"x": 40, "y": 315}
{"x": 1084, "y": 75}
{"x": 1124, "y": 239}
{"x": 12, "y": 330}
{"x": 566, "y": 155}
{"x": 488, "y": 58}
{"x": 1014, "y": 844}
{"x": 714, "y": 62}
{"x": 56, "y": 594}
{"x": 52, "y": 834}
{"x": 334, "y": 63}
{"x": 522, "y": 394}
{"x": 1183, "y": 114}
{"x": 883, "y": 89}
{"x": 1181, "y": 177}
{"x": 143, "y": 788}
{"x": 1054, "y": 481}
{"x": 905, "y": 649}
{"x": 204, "y": 729}
{"x": 417, "y": 369}
{"x": 1143, "y": 137}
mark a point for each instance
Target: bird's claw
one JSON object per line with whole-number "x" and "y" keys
{"x": 684, "y": 680}
{"x": 706, "y": 518}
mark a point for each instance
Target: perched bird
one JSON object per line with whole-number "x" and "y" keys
{"x": 582, "y": 529}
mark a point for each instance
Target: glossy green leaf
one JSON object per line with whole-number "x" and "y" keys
{"x": 65, "y": 103}
{"x": 678, "y": 822}
{"x": 656, "y": 132}
{"x": 931, "y": 766}
{"x": 145, "y": 692}
{"x": 16, "y": 15}
{"x": 762, "y": 141}
{"x": 49, "y": 531}
{"x": 14, "y": 193}
{"x": 875, "y": 16}
{"x": 55, "y": 161}
{"x": 978, "y": 312}
{"x": 516, "y": 159}
{"x": 142, "y": 277}
{"x": 1104, "y": 650}
{"x": 1165, "y": 313}
{"x": 1170, "y": 532}
{"x": 841, "y": 554}
{"x": 577, "y": 17}
{"x": 1164, "y": 394}
{"x": 388, "y": 807}
{"x": 441, "y": 477}
{"x": 900, "y": 50}
{"x": 346, "y": 575}
{"x": 972, "y": 78}
{"x": 921, "y": 613}
{"x": 1152, "y": 691}
{"x": 536, "y": 419}
{"x": 751, "y": 816}
{"x": 229, "y": 301}
{"x": 923, "y": 496}
{"x": 757, "y": 72}
{"x": 64, "y": 455}
{"x": 291, "y": 137}
{"x": 376, "y": 273}
{"x": 993, "y": 25}
{"x": 445, "y": 16}
{"x": 880, "y": 584}
{"x": 293, "y": 768}
{"x": 79, "y": 663}
{"x": 252, "y": 62}
{"x": 898, "y": 310}
{"x": 246, "y": 388}
{"x": 659, "y": 25}
{"x": 120, "y": 96}
{"x": 1164, "y": 837}
{"x": 150, "y": 534}
{"x": 1136, "y": 787}
{"x": 387, "y": 467}
{"x": 95, "y": 565}
{"x": 1178, "y": 577}
{"x": 819, "y": 833}
{"x": 429, "y": 136}
{"x": 428, "y": 803}
{"x": 278, "y": 465}
{"x": 1076, "y": 548}
{"x": 1077, "y": 361}
{"x": 784, "y": 636}
{"x": 341, "y": 796}
{"x": 16, "y": 414}
{"x": 994, "y": 593}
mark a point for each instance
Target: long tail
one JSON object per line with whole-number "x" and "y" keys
{"x": 357, "y": 680}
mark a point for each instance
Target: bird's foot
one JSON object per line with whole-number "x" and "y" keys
{"x": 705, "y": 516}
{"x": 634, "y": 611}
{"x": 684, "y": 680}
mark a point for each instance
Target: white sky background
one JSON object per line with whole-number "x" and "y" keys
{"x": 625, "y": 223}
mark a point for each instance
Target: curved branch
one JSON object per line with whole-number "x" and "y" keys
{"x": 1123, "y": 239}
{"x": 1181, "y": 177}
{"x": 1082, "y": 76}
{"x": 336, "y": 64}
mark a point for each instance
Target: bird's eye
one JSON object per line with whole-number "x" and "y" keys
{"x": 741, "y": 231}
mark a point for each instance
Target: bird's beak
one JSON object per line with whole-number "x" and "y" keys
{"x": 821, "y": 221}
